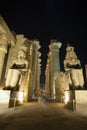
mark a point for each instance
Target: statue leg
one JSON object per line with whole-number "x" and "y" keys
{"x": 15, "y": 78}
{"x": 9, "y": 76}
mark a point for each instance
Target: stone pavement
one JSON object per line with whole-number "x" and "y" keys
{"x": 42, "y": 116}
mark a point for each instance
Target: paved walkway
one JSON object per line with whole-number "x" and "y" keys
{"x": 41, "y": 116}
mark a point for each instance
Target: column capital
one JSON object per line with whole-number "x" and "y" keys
{"x": 55, "y": 45}
{"x": 36, "y": 44}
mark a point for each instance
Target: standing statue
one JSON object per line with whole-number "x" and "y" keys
{"x": 17, "y": 69}
{"x": 72, "y": 65}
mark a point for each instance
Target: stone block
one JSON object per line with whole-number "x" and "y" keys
{"x": 77, "y": 100}
{"x": 4, "y": 98}
{"x": 81, "y": 96}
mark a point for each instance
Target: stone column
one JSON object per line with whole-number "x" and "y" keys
{"x": 55, "y": 64}
{"x": 28, "y": 89}
{"x": 38, "y": 71}
{"x": 38, "y": 77}
{"x": 3, "y": 51}
{"x": 36, "y": 46}
{"x": 47, "y": 83}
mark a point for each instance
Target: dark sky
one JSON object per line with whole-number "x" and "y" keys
{"x": 64, "y": 20}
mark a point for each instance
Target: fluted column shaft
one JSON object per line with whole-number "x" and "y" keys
{"x": 55, "y": 64}
{"x": 47, "y": 86}
{"x": 36, "y": 46}
{"x": 38, "y": 78}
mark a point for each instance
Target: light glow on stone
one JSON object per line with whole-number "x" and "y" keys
{"x": 66, "y": 97}
{"x": 4, "y": 96}
{"x": 21, "y": 97}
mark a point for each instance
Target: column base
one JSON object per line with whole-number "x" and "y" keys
{"x": 53, "y": 97}
{"x": 34, "y": 97}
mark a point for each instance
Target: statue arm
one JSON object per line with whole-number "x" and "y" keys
{"x": 79, "y": 63}
{"x": 12, "y": 64}
{"x": 66, "y": 68}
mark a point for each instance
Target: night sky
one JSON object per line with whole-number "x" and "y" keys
{"x": 64, "y": 20}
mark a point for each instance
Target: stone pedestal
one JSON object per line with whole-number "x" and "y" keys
{"x": 76, "y": 100}
{"x": 4, "y": 98}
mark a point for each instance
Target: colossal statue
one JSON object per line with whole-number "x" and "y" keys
{"x": 73, "y": 66}
{"x": 17, "y": 69}
{"x": 71, "y": 60}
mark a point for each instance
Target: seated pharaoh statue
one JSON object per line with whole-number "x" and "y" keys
{"x": 72, "y": 65}
{"x": 17, "y": 70}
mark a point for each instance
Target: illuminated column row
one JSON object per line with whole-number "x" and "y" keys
{"x": 54, "y": 66}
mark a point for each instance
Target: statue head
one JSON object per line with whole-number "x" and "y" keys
{"x": 22, "y": 52}
{"x": 69, "y": 48}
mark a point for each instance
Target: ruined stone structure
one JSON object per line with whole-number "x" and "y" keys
{"x": 19, "y": 63}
